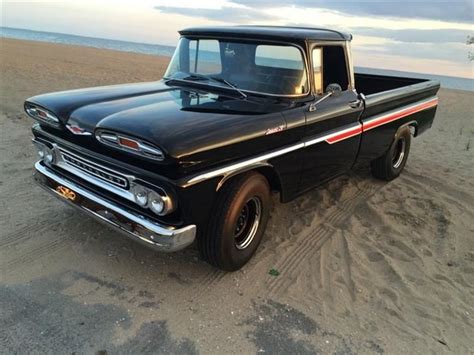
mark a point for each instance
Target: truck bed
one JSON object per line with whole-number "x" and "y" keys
{"x": 372, "y": 84}
{"x": 387, "y": 96}
{"x": 385, "y": 93}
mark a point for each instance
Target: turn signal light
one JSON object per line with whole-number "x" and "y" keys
{"x": 130, "y": 145}
{"x": 41, "y": 115}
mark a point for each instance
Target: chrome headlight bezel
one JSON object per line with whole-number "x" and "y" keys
{"x": 46, "y": 153}
{"x": 152, "y": 195}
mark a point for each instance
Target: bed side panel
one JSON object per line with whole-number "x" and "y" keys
{"x": 386, "y": 112}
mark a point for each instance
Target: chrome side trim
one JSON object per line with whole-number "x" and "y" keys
{"x": 393, "y": 115}
{"x": 139, "y": 228}
{"x": 237, "y": 166}
{"x": 351, "y": 131}
{"x": 346, "y": 132}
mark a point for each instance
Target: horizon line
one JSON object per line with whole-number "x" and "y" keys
{"x": 170, "y": 46}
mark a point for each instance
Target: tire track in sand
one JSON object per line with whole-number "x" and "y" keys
{"x": 291, "y": 263}
{"x": 211, "y": 279}
{"x": 308, "y": 239}
{"x": 23, "y": 234}
{"x": 32, "y": 234}
{"x": 34, "y": 254}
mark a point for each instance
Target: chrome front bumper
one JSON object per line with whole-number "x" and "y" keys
{"x": 134, "y": 225}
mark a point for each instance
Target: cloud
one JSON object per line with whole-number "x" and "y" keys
{"x": 456, "y": 53}
{"x": 443, "y": 10}
{"x": 404, "y": 34}
{"x": 226, "y": 13}
{"x": 414, "y": 36}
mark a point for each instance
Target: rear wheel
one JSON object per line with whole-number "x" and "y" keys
{"x": 238, "y": 222}
{"x": 391, "y": 164}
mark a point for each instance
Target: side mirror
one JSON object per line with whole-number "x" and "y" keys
{"x": 334, "y": 89}
{"x": 331, "y": 90}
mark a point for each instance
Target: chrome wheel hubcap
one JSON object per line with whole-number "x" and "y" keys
{"x": 247, "y": 223}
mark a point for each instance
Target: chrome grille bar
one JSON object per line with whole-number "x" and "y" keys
{"x": 105, "y": 178}
{"x": 93, "y": 169}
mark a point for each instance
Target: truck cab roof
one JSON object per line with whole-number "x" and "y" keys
{"x": 278, "y": 33}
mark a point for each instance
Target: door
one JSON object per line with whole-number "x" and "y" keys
{"x": 332, "y": 134}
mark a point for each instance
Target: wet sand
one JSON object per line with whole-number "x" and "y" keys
{"x": 365, "y": 266}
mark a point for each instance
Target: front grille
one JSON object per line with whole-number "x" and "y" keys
{"x": 94, "y": 170}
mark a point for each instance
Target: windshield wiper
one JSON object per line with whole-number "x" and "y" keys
{"x": 233, "y": 86}
{"x": 217, "y": 79}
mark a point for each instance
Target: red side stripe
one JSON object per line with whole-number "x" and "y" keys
{"x": 396, "y": 116}
{"x": 376, "y": 122}
{"x": 348, "y": 134}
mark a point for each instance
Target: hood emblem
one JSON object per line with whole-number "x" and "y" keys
{"x": 275, "y": 130}
{"x": 75, "y": 129}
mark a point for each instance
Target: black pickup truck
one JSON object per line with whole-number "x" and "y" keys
{"x": 241, "y": 112}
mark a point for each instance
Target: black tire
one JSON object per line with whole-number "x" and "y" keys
{"x": 225, "y": 246}
{"x": 391, "y": 164}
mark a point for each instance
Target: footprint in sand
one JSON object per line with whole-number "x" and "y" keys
{"x": 375, "y": 256}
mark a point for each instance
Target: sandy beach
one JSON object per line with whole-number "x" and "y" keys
{"x": 365, "y": 266}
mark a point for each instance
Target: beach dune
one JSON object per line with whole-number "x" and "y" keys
{"x": 364, "y": 266}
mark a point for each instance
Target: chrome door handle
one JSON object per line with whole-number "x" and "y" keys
{"x": 356, "y": 103}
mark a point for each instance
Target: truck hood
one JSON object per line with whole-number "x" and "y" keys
{"x": 180, "y": 120}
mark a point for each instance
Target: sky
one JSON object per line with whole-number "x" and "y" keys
{"x": 426, "y": 36}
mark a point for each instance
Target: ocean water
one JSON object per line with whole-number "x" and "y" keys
{"x": 153, "y": 49}
{"x": 162, "y": 50}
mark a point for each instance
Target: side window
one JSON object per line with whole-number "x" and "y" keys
{"x": 204, "y": 56}
{"x": 318, "y": 70}
{"x": 335, "y": 67}
{"x": 281, "y": 57}
{"x": 282, "y": 68}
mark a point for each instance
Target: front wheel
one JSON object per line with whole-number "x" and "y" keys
{"x": 391, "y": 164}
{"x": 238, "y": 222}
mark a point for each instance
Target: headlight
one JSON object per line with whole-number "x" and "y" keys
{"x": 140, "y": 194}
{"x": 159, "y": 203}
{"x": 40, "y": 149}
{"x": 44, "y": 152}
{"x": 48, "y": 155}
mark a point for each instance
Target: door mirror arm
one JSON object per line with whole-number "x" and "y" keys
{"x": 331, "y": 90}
{"x": 313, "y": 106}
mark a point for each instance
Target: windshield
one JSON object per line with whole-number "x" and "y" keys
{"x": 253, "y": 67}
